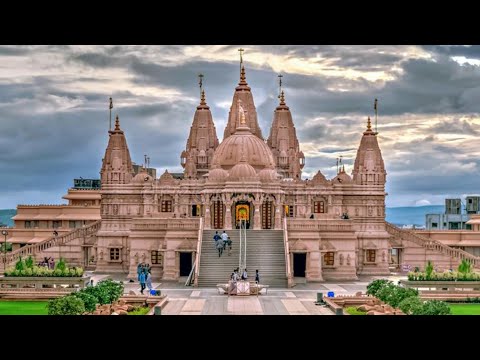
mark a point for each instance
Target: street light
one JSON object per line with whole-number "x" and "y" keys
{"x": 5, "y": 233}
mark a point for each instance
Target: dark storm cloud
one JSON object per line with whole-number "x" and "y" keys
{"x": 53, "y": 130}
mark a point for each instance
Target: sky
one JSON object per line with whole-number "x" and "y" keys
{"x": 54, "y": 110}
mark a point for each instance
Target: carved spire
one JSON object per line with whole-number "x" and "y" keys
{"x": 117, "y": 164}
{"x": 243, "y": 93}
{"x": 369, "y": 168}
{"x": 284, "y": 142}
{"x": 202, "y": 141}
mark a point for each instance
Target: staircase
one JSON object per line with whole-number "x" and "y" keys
{"x": 265, "y": 253}
{"x": 35, "y": 249}
{"x": 433, "y": 245}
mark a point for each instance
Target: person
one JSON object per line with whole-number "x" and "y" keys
{"x": 229, "y": 242}
{"x": 142, "y": 282}
{"x": 216, "y": 237}
{"x": 312, "y": 216}
{"x": 90, "y": 284}
{"x": 244, "y": 275}
{"x": 139, "y": 271}
{"x": 219, "y": 246}
{"x": 257, "y": 277}
{"x": 149, "y": 281}
{"x": 224, "y": 239}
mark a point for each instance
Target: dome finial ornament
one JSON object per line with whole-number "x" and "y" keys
{"x": 369, "y": 124}
{"x": 117, "y": 123}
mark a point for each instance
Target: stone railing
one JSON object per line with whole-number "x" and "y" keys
{"x": 320, "y": 225}
{"x": 31, "y": 250}
{"x": 166, "y": 224}
{"x": 199, "y": 252}
{"x": 287, "y": 255}
{"x": 430, "y": 244}
{"x": 34, "y": 283}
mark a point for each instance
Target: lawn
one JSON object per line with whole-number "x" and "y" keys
{"x": 465, "y": 309}
{"x": 23, "y": 308}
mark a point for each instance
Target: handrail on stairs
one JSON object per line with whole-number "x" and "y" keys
{"x": 432, "y": 244}
{"x": 287, "y": 254}
{"x": 52, "y": 241}
{"x": 196, "y": 266}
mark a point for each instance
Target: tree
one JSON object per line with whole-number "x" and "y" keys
{"x": 67, "y": 305}
{"x": 465, "y": 267}
{"x": 429, "y": 270}
{"x": 376, "y": 285}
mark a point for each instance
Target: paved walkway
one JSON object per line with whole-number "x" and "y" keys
{"x": 299, "y": 300}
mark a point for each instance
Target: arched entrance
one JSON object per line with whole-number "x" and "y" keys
{"x": 243, "y": 211}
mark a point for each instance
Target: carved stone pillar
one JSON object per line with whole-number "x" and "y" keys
{"x": 257, "y": 221}
{"x": 169, "y": 265}
{"x": 314, "y": 266}
{"x": 227, "y": 221}
{"x": 208, "y": 218}
{"x": 176, "y": 208}
{"x": 278, "y": 216}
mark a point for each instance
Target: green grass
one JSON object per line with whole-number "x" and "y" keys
{"x": 140, "y": 311}
{"x": 465, "y": 309}
{"x": 353, "y": 311}
{"x": 23, "y": 308}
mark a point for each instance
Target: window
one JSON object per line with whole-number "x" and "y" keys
{"x": 329, "y": 258}
{"x": 114, "y": 254}
{"x": 318, "y": 207}
{"x": 57, "y": 224}
{"x": 28, "y": 224}
{"x": 469, "y": 227}
{"x": 166, "y": 205}
{"x": 156, "y": 257}
{"x": 289, "y": 210}
{"x": 371, "y": 255}
{"x": 470, "y": 201}
{"x": 196, "y": 210}
{"x": 71, "y": 224}
{"x": 434, "y": 225}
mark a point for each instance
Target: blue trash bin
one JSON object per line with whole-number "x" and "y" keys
{"x": 330, "y": 294}
{"x": 153, "y": 292}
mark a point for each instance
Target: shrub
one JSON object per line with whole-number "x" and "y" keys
{"x": 374, "y": 287}
{"x": 429, "y": 270}
{"x": 465, "y": 267}
{"x": 145, "y": 310}
{"x": 67, "y": 305}
{"x": 20, "y": 265}
{"x": 112, "y": 288}
{"x": 61, "y": 265}
{"x": 435, "y": 307}
{"x": 89, "y": 300}
{"x": 410, "y": 305}
{"x": 29, "y": 262}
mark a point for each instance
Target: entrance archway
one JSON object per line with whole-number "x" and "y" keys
{"x": 243, "y": 212}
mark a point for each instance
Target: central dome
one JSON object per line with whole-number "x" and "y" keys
{"x": 256, "y": 152}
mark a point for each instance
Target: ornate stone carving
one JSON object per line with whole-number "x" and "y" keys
{"x": 341, "y": 259}
{"x": 348, "y": 259}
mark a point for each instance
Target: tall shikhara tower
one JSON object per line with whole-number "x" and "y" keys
{"x": 243, "y": 93}
{"x": 201, "y": 143}
{"x": 284, "y": 143}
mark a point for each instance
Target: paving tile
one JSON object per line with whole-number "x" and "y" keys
{"x": 295, "y": 307}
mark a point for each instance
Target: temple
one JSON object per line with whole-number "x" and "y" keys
{"x": 297, "y": 229}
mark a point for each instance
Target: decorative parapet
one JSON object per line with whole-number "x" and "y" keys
{"x": 165, "y": 224}
{"x": 320, "y": 225}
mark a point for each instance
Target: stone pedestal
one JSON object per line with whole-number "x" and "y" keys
{"x": 314, "y": 266}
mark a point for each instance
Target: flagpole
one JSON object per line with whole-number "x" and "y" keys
{"x": 376, "y": 111}
{"x": 110, "y": 107}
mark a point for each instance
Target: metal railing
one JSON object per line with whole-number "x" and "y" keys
{"x": 196, "y": 266}
{"x": 242, "y": 260}
{"x": 287, "y": 254}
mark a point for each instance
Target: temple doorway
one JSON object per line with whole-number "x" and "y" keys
{"x": 185, "y": 263}
{"x": 217, "y": 214}
{"x": 267, "y": 215}
{"x": 299, "y": 264}
{"x": 242, "y": 212}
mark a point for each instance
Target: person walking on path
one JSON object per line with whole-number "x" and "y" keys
{"x": 139, "y": 271}
{"x": 219, "y": 246}
{"x": 257, "y": 277}
{"x": 142, "y": 282}
{"x": 216, "y": 237}
{"x": 224, "y": 239}
{"x": 149, "y": 281}
{"x": 244, "y": 275}
{"x": 229, "y": 243}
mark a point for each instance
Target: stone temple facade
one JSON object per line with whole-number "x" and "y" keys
{"x": 161, "y": 220}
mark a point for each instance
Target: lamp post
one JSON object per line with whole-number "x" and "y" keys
{"x": 5, "y": 233}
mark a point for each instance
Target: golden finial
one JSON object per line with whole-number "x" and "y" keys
{"x": 202, "y": 99}
{"x": 369, "y": 124}
{"x": 117, "y": 123}
{"x": 282, "y": 98}
{"x": 243, "y": 79}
